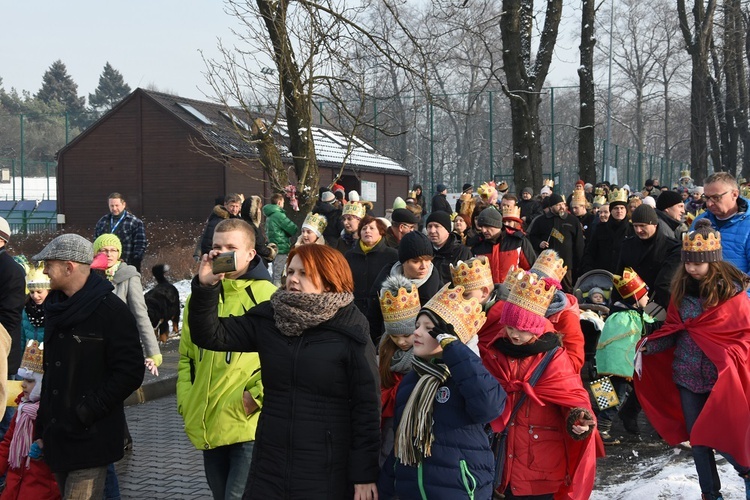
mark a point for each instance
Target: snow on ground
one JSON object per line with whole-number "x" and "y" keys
{"x": 639, "y": 473}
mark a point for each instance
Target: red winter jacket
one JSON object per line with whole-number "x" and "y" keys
{"x": 36, "y": 482}
{"x": 388, "y": 398}
{"x": 541, "y": 457}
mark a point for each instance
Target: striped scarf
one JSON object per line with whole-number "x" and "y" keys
{"x": 414, "y": 437}
{"x": 21, "y": 441}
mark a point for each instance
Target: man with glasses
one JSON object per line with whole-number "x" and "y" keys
{"x": 403, "y": 221}
{"x": 728, "y": 213}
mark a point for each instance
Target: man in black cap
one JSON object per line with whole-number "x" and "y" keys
{"x": 403, "y": 221}
{"x": 530, "y": 208}
{"x": 440, "y": 200}
{"x": 560, "y": 231}
{"x": 448, "y": 248}
{"x": 515, "y": 250}
{"x": 466, "y": 189}
{"x": 671, "y": 210}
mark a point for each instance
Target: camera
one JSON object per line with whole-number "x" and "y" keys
{"x": 225, "y": 262}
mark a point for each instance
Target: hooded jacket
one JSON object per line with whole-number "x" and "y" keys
{"x": 210, "y": 384}
{"x": 218, "y": 214}
{"x": 603, "y": 247}
{"x": 279, "y": 227}
{"x": 127, "y": 283}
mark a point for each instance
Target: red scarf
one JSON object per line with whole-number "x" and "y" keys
{"x": 723, "y": 334}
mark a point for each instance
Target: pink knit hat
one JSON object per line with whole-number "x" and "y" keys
{"x": 527, "y": 302}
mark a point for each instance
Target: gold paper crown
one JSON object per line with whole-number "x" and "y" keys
{"x": 316, "y": 223}
{"x": 618, "y": 195}
{"x": 33, "y": 357}
{"x": 697, "y": 247}
{"x": 548, "y": 183}
{"x": 472, "y": 274}
{"x": 511, "y": 211}
{"x": 579, "y": 196}
{"x": 684, "y": 174}
{"x": 599, "y": 191}
{"x": 514, "y": 275}
{"x": 600, "y": 200}
{"x": 629, "y": 284}
{"x": 488, "y": 192}
{"x": 36, "y": 279}
{"x": 745, "y": 191}
{"x": 549, "y": 263}
{"x": 466, "y": 316}
{"x": 399, "y": 311}
{"x": 354, "y": 208}
{"x": 531, "y": 293}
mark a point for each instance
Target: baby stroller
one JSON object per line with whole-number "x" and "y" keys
{"x": 592, "y": 315}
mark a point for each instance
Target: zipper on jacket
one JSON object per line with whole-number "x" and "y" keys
{"x": 291, "y": 415}
{"x": 470, "y": 484}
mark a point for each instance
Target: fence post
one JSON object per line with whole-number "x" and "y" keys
{"x": 23, "y": 153}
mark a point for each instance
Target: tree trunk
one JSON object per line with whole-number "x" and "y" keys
{"x": 586, "y": 131}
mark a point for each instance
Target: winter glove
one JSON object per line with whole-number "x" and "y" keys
{"x": 444, "y": 334}
{"x": 158, "y": 358}
{"x": 35, "y": 451}
{"x": 579, "y": 416}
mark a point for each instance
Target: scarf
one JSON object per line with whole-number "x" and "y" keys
{"x": 543, "y": 343}
{"x": 398, "y": 270}
{"x": 21, "y": 441}
{"x": 109, "y": 273}
{"x": 402, "y": 361}
{"x": 295, "y": 312}
{"x": 62, "y": 311}
{"x": 413, "y": 440}
{"x": 35, "y": 314}
{"x": 367, "y": 249}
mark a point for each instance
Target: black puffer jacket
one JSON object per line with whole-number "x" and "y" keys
{"x": 319, "y": 431}
{"x": 218, "y": 214}
{"x": 366, "y": 267}
{"x": 450, "y": 253}
{"x": 334, "y": 224}
{"x": 92, "y": 361}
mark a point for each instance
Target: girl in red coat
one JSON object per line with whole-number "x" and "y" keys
{"x": 399, "y": 302}
{"x": 27, "y": 474}
{"x": 694, "y": 370}
{"x": 549, "y": 451}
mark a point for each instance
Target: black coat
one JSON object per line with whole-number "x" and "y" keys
{"x": 448, "y": 254}
{"x": 655, "y": 260}
{"x": 440, "y": 203}
{"x": 12, "y": 300}
{"x": 603, "y": 247}
{"x": 366, "y": 267}
{"x": 530, "y": 210}
{"x": 218, "y": 214}
{"x": 568, "y": 243}
{"x": 334, "y": 225}
{"x": 319, "y": 430}
{"x": 92, "y": 361}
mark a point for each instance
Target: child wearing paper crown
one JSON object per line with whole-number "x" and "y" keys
{"x": 694, "y": 380}
{"x": 616, "y": 349}
{"x": 32, "y": 321}
{"x": 399, "y": 303}
{"x": 28, "y": 476}
{"x": 442, "y": 406}
{"x": 549, "y": 451}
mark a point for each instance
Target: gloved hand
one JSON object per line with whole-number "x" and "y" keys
{"x": 35, "y": 451}
{"x": 444, "y": 334}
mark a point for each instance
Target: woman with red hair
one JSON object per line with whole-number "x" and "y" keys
{"x": 319, "y": 430}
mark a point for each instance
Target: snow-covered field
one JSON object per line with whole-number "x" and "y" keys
{"x": 34, "y": 188}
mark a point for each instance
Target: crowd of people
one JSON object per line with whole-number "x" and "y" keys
{"x": 436, "y": 352}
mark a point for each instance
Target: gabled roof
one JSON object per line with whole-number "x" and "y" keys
{"x": 222, "y": 130}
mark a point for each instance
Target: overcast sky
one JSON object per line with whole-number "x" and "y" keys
{"x": 154, "y": 42}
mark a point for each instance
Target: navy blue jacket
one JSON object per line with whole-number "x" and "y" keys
{"x": 461, "y": 464}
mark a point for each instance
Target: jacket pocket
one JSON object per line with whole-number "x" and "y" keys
{"x": 547, "y": 451}
{"x": 468, "y": 480}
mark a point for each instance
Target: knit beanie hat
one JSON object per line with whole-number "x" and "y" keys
{"x": 545, "y": 190}
{"x": 398, "y": 202}
{"x": 466, "y": 187}
{"x": 490, "y": 217}
{"x": 414, "y": 244}
{"x": 644, "y": 214}
{"x": 442, "y": 218}
{"x": 668, "y": 199}
{"x": 399, "y": 303}
{"x": 596, "y": 289}
{"x": 107, "y": 240}
{"x": 327, "y": 197}
{"x": 353, "y": 195}
{"x": 554, "y": 199}
{"x": 649, "y": 200}
{"x": 703, "y": 244}
{"x": 528, "y": 190}
{"x": 440, "y": 188}
{"x": 527, "y": 303}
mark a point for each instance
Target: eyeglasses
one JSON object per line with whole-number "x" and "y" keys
{"x": 716, "y": 198}
{"x": 109, "y": 250}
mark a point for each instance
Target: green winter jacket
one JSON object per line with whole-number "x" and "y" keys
{"x": 279, "y": 227}
{"x": 210, "y": 384}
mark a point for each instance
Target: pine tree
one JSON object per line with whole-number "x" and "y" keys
{"x": 112, "y": 88}
{"x": 58, "y": 86}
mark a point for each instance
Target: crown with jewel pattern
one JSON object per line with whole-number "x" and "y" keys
{"x": 600, "y": 200}
{"x": 354, "y": 208}
{"x": 703, "y": 244}
{"x": 466, "y": 316}
{"x": 36, "y": 279}
{"x": 473, "y": 274}
{"x": 549, "y": 265}
{"x": 528, "y": 301}
{"x": 316, "y": 223}
{"x": 618, "y": 195}
{"x": 578, "y": 196}
{"x": 33, "y": 357}
{"x": 399, "y": 303}
{"x": 511, "y": 212}
{"x": 630, "y": 284}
